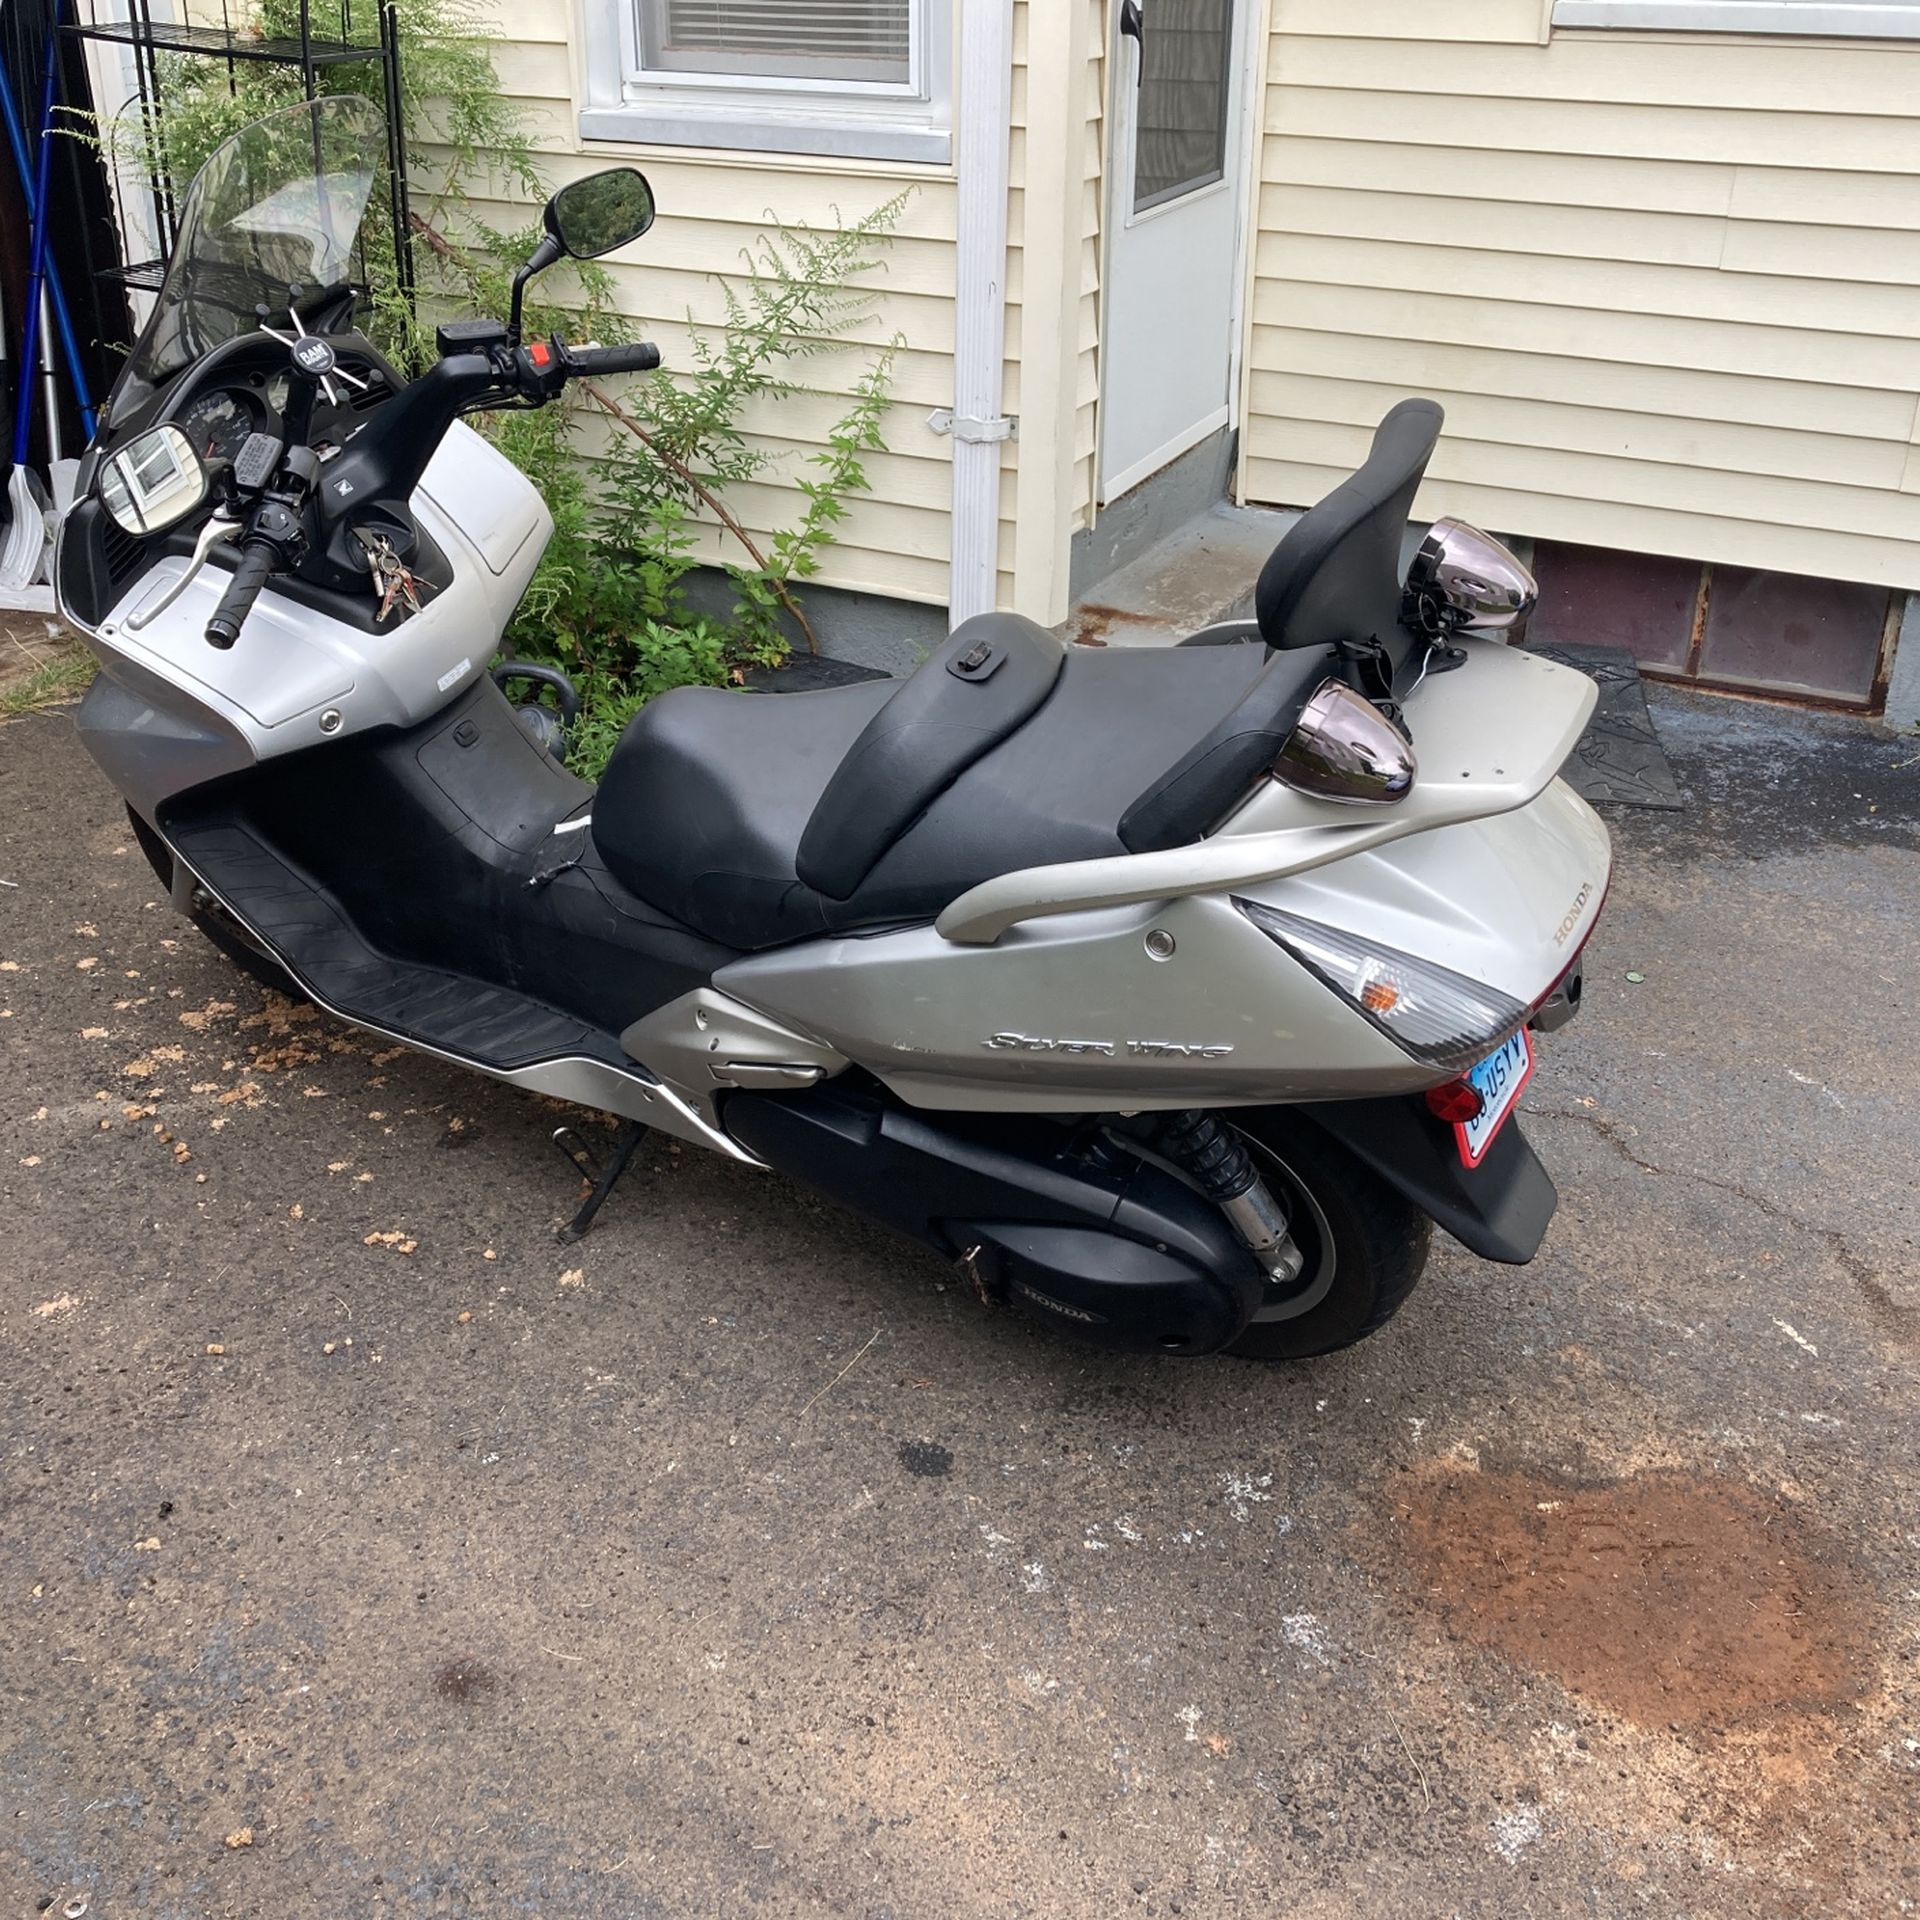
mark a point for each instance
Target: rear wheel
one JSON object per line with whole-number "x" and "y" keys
{"x": 1365, "y": 1246}
{"x": 214, "y": 921}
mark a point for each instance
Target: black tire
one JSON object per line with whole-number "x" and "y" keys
{"x": 1366, "y": 1247}
{"x": 232, "y": 939}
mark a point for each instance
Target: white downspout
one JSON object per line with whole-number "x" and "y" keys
{"x": 984, "y": 133}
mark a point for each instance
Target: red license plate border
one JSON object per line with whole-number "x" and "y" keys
{"x": 1468, "y": 1158}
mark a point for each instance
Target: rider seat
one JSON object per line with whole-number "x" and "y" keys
{"x": 759, "y": 819}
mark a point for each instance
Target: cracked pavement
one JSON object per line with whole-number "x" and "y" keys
{"x": 364, "y": 1553}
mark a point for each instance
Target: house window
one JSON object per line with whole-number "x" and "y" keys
{"x": 1835, "y": 19}
{"x": 859, "y": 41}
{"x": 860, "y": 78}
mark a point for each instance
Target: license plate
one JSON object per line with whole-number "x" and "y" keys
{"x": 1499, "y": 1078}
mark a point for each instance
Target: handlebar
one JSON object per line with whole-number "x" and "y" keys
{"x": 587, "y": 362}
{"x": 387, "y": 458}
{"x": 270, "y": 542}
{"x": 258, "y": 558}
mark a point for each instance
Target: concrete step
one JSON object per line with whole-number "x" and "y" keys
{"x": 1202, "y": 573}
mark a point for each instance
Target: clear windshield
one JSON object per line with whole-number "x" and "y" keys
{"x": 279, "y": 206}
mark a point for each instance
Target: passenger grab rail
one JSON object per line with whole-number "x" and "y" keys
{"x": 1491, "y": 735}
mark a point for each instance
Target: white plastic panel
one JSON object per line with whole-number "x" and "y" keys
{"x": 484, "y": 494}
{"x": 291, "y": 663}
{"x": 275, "y": 675}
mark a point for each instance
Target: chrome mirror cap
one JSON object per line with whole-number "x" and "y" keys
{"x": 1479, "y": 584}
{"x": 1344, "y": 748}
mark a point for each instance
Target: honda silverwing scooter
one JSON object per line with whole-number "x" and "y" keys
{"x": 1171, "y": 993}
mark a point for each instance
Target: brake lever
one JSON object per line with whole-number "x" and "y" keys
{"x": 217, "y": 528}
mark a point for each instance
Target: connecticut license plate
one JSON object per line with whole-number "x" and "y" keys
{"x": 1499, "y": 1078}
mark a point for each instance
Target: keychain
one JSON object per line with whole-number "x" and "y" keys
{"x": 392, "y": 577}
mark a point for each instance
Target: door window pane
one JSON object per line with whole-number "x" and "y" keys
{"x": 1180, "y": 138}
{"x": 856, "y": 40}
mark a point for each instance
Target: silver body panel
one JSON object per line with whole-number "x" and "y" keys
{"x": 213, "y": 712}
{"x": 1106, "y": 985}
{"x": 1073, "y": 1012}
{"x": 706, "y": 1042}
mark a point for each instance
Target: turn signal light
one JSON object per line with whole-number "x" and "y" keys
{"x": 1457, "y": 1103}
{"x": 1438, "y": 1015}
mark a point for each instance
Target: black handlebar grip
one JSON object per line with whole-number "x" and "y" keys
{"x": 258, "y": 558}
{"x": 585, "y": 362}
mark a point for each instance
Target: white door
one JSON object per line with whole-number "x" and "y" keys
{"x": 1170, "y": 328}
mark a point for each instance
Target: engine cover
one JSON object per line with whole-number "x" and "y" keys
{"x": 1119, "y": 1292}
{"x": 1089, "y": 1238}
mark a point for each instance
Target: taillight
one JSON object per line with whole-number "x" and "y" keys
{"x": 1458, "y": 1102}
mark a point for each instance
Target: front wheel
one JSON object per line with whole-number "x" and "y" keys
{"x": 1365, "y": 1245}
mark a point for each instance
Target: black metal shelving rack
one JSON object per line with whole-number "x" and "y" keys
{"x": 307, "y": 51}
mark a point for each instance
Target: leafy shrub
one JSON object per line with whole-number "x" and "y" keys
{"x": 610, "y": 602}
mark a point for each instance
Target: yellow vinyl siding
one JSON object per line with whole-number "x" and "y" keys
{"x": 1668, "y": 288}
{"x": 713, "y": 207}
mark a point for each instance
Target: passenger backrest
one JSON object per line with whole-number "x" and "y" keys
{"x": 1337, "y": 574}
{"x": 989, "y": 677}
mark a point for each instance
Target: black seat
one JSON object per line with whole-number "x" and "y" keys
{"x": 759, "y": 819}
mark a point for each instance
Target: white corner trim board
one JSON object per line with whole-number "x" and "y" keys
{"x": 982, "y": 140}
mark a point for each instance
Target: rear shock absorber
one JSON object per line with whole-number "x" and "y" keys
{"x": 1217, "y": 1159}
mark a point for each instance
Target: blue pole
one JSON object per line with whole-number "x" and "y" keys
{"x": 36, "y": 271}
{"x": 69, "y": 343}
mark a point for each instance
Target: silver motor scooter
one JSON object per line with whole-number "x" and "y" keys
{"x": 1172, "y": 993}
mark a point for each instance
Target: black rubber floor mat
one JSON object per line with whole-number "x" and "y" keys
{"x": 1619, "y": 759}
{"x": 489, "y": 1025}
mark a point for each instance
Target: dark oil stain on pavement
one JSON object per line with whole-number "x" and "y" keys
{"x": 462, "y": 1681}
{"x": 1670, "y": 1599}
{"x": 926, "y": 1459}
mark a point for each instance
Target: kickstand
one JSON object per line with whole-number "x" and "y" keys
{"x": 603, "y": 1179}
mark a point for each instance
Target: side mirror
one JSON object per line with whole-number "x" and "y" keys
{"x": 153, "y": 482}
{"x": 601, "y": 213}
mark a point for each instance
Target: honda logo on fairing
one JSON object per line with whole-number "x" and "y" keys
{"x": 1059, "y": 1306}
{"x": 1573, "y": 915}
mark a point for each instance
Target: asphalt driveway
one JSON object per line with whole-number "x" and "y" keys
{"x": 364, "y": 1553}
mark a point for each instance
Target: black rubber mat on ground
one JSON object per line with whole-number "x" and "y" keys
{"x": 1619, "y": 759}
{"x": 808, "y": 673}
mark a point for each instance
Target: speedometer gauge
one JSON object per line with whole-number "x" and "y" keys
{"x": 218, "y": 423}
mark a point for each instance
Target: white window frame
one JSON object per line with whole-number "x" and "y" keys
{"x": 847, "y": 119}
{"x": 1821, "y": 19}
